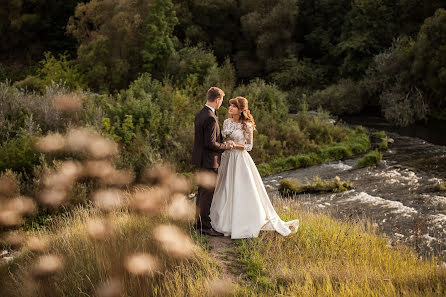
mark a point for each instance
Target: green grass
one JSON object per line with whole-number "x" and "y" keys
{"x": 384, "y": 140}
{"x": 289, "y": 187}
{"x": 358, "y": 142}
{"x": 328, "y": 257}
{"x": 372, "y": 158}
{"x": 381, "y": 134}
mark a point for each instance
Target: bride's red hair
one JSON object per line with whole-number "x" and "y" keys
{"x": 245, "y": 116}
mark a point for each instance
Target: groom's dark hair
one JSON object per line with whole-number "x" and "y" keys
{"x": 214, "y": 93}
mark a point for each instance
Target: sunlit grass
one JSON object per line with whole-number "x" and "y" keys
{"x": 372, "y": 158}
{"x": 292, "y": 187}
{"x": 328, "y": 257}
{"x": 89, "y": 262}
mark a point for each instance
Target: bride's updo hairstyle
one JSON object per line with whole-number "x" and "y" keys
{"x": 245, "y": 116}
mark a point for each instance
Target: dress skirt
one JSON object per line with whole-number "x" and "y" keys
{"x": 240, "y": 206}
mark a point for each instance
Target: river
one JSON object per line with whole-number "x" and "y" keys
{"x": 400, "y": 196}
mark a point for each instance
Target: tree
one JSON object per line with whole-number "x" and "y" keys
{"x": 368, "y": 29}
{"x": 32, "y": 27}
{"x": 318, "y": 30}
{"x": 159, "y": 45}
{"x": 109, "y": 37}
{"x": 269, "y": 27}
{"x": 429, "y": 65}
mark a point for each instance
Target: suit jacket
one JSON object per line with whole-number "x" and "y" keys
{"x": 208, "y": 145}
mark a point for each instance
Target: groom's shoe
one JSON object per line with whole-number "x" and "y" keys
{"x": 211, "y": 232}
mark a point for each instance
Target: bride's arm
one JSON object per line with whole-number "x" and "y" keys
{"x": 248, "y": 139}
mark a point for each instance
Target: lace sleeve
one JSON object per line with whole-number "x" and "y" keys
{"x": 225, "y": 126}
{"x": 249, "y": 137}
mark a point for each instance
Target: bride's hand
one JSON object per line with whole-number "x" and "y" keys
{"x": 230, "y": 144}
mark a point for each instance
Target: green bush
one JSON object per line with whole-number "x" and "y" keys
{"x": 336, "y": 152}
{"x": 19, "y": 154}
{"x": 196, "y": 62}
{"x": 381, "y": 134}
{"x": 372, "y": 158}
{"x": 52, "y": 70}
{"x": 289, "y": 187}
{"x": 345, "y": 97}
{"x": 294, "y": 72}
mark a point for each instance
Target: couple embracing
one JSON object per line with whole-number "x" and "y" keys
{"x": 239, "y": 205}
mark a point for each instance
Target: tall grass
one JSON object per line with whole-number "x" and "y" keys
{"x": 328, "y": 257}
{"x": 89, "y": 262}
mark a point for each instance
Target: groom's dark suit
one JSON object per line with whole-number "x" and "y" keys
{"x": 206, "y": 155}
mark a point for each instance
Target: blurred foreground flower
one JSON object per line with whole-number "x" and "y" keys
{"x": 15, "y": 239}
{"x": 157, "y": 174}
{"x": 46, "y": 266}
{"x": 108, "y": 199}
{"x": 99, "y": 229}
{"x": 52, "y": 197}
{"x": 51, "y": 143}
{"x": 110, "y": 288}
{"x": 87, "y": 140}
{"x": 65, "y": 176}
{"x": 181, "y": 208}
{"x": 164, "y": 175}
{"x": 174, "y": 241}
{"x": 37, "y": 244}
{"x": 220, "y": 287}
{"x": 140, "y": 264}
{"x": 206, "y": 179}
{"x": 13, "y": 210}
{"x": 107, "y": 174}
{"x": 149, "y": 200}
{"x": 9, "y": 186}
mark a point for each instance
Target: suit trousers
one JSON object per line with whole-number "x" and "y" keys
{"x": 203, "y": 203}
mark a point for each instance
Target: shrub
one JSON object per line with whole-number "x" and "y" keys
{"x": 294, "y": 72}
{"x": 336, "y": 152}
{"x": 373, "y": 158}
{"x": 18, "y": 154}
{"x": 53, "y": 70}
{"x": 190, "y": 63}
{"x": 345, "y": 97}
{"x": 289, "y": 187}
{"x": 266, "y": 101}
{"x": 20, "y": 110}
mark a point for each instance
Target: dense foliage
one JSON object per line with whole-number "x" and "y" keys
{"x": 348, "y": 54}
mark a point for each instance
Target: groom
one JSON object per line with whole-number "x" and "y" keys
{"x": 208, "y": 147}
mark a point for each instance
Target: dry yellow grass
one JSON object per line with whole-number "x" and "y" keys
{"x": 327, "y": 257}
{"x": 90, "y": 261}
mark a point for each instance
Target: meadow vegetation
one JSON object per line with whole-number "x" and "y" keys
{"x": 327, "y": 257}
{"x": 290, "y": 187}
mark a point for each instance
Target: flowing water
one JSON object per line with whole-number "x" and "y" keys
{"x": 400, "y": 196}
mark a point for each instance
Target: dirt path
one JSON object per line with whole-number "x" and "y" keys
{"x": 225, "y": 252}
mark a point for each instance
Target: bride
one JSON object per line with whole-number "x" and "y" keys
{"x": 241, "y": 207}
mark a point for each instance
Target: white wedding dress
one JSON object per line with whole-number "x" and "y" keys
{"x": 241, "y": 207}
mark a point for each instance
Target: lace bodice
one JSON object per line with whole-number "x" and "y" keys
{"x": 235, "y": 132}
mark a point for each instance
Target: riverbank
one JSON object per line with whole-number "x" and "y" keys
{"x": 399, "y": 197}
